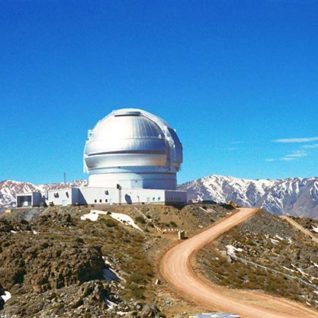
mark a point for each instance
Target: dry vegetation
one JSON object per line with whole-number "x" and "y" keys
{"x": 308, "y": 224}
{"x": 274, "y": 257}
{"x": 67, "y": 252}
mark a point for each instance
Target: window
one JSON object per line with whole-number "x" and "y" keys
{"x": 100, "y": 200}
{"x": 106, "y": 200}
{"x": 95, "y": 200}
{"x": 106, "y": 192}
{"x": 67, "y": 195}
{"x": 159, "y": 198}
{"x": 56, "y": 195}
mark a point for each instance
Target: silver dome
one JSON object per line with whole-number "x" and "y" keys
{"x": 134, "y": 148}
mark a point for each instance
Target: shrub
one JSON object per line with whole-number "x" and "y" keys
{"x": 140, "y": 219}
{"x": 138, "y": 278}
{"x": 137, "y": 291}
{"x": 173, "y": 224}
{"x": 110, "y": 223}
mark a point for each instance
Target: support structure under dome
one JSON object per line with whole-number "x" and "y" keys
{"x": 133, "y": 149}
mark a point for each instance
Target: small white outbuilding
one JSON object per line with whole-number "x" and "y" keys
{"x": 29, "y": 199}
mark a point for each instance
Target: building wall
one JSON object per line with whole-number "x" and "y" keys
{"x": 134, "y": 180}
{"x": 59, "y": 197}
{"x": 144, "y": 196}
{"x": 175, "y": 197}
{"x": 102, "y": 195}
{"x": 37, "y": 199}
{"x": 98, "y": 195}
{"x": 68, "y": 196}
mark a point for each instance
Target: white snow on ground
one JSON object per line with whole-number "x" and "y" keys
{"x": 315, "y": 229}
{"x": 120, "y": 217}
{"x": 93, "y": 215}
{"x": 230, "y": 250}
{"x": 300, "y": 270}
{"x": 274, "y": 241}
{"x": 110, "y": 304}
{"x": 310, "y": 278}
{"x": 125, "y": 219}
{"x": 35, "y": 232}
{"x": 108, "y": 273}
{"x": 279, "y": 237}
{"x": 13, "y": 232}
{"x": 307, "y": 276}
{"x": 6, "y": 296}
{"x": 291, "y": 270}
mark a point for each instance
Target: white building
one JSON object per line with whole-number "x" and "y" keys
{"x": 28, "y": 199}
{"x": 131, "y": 157}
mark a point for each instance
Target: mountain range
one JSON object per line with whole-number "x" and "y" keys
{"x": 293, "y": 196}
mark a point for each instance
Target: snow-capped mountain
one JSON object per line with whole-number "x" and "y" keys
{"x": 294, "y": 196}
{"x": 9, "y": 189}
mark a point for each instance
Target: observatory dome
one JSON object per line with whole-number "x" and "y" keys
{"x": 132, "y": 148}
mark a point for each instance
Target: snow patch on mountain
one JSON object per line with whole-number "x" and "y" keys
{"x": 294, "y": 196}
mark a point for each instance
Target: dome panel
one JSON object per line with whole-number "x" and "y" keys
{"x": 136, "y": 142}
{"x": 122, "y": 127}
{"x": 141, "y": 145}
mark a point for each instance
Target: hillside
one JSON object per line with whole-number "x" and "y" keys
{"x": 265, "y": 253}
{"x": 56, "y": 261}
{"x": 294, "y": 196}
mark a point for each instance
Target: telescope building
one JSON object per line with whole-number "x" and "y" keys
{"x": 131, "y": 157}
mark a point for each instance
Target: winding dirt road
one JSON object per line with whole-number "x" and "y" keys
{"x": 176, "y": 268}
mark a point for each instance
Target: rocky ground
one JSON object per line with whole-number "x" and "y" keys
{"x": 56, "y": 265}
{"x": 265, "y": 253}
{"x": 309, "y": 224}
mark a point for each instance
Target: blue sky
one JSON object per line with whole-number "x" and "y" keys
{"x": 237, "y": 79}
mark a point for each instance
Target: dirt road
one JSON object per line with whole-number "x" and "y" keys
{"x": 176, "y": 268}
{"x": 300, "y": 228}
